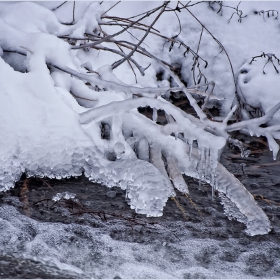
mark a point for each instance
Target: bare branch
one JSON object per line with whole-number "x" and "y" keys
{"x": 107, "y": 38}
{"x": 110, "y": 8}
{"x": 139, "y": 43}
{"x": 59, "y": 6}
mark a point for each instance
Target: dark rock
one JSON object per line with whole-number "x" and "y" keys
{"x": 12, "y": 266}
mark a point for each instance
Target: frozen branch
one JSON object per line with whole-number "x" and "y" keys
{"x": 254, "y": 122}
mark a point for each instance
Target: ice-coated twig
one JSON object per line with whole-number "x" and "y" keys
{"x": 192, "y": 130}
{"x": 212, "y": 84}
{"x": 146, "y": 91}
{"x": 120, "y": 48}
{"x": 230, "y": 114}
{"x": 192, "y": 101}
{"x": 156, "y": 158}
{"x": 254, "y": 122}
{"x": 174, "y": 172}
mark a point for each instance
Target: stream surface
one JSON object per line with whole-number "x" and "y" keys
{"x": 99, "y": 236}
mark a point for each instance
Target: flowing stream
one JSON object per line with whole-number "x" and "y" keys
{"x": 193, "y": 239}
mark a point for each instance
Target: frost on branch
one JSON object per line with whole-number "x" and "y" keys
{"x": 65, "y": 112}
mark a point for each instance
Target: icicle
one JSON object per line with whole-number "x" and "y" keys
{"x": 119, "y": 149}
{"x": 199, "y": 168}
{"x": 155, "y": 115}
{"x": 169, "y": 118}
{"x": 273, "y": 146}
{"x": 131, "y": 142}
{"x": 174, "y": 173}
{"x": 190, "y": 143}
{"x": 156, "y": 159}
{"x": 213, "y": 158}
{"x": 201, "y": 164}
{"x": 143, "y": 149}
{"x": 207, "y": 164}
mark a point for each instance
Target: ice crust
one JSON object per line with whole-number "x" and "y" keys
{"x": 50, "y": 122}
{"x": 64, "y": 195}
{"x": 146, "y": 188}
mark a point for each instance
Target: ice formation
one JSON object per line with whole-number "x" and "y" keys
{"x": 61, "y": 118}
{"x": 64, "y": 195}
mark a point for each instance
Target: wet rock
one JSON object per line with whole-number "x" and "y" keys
{"x": 111, "y": 194}
{"x": 12, "y": 266}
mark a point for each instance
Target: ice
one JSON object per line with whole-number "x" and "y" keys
{"x": 190, "y": 144}
{"x": 143, "y": 149}
{"x": 119, "y": 149}
{"x": 257, "y": 222}
{"x": 174, "y": 172}
{"x": 147, "y": 189}
{"x": 64, "y": 195}
{"x": 156, "y": 159}
{"x": 155, "y": 115}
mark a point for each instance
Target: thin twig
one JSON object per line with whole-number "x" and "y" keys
{"x": 74, "y": 4}
{"x": 140, "y": 68}
{"x": 110, "y": 8}
{"x": 117, "y": 64}
{"x": 116, "y": 34}
{"x": 222, "y": 47}
{"x": 59, "y": 6}
{"x": 137, "y": 24}
{"x": 129, "y": 63}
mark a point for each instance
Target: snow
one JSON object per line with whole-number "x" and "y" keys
{"x": 51, "y": 118}
{"x": 258, "y": 88}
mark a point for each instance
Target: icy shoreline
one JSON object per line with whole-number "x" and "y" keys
{"x": 206, "y": 245}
